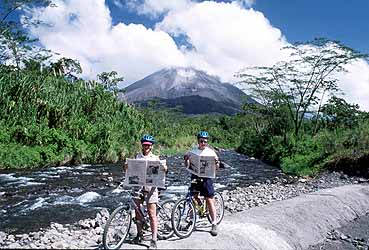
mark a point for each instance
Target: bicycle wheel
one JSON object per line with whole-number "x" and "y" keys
{"x": 219, "y": 206}
{"x": 183, "y": 218}
{"x": 117, "y": 228}
{"x": 164, "y": 213}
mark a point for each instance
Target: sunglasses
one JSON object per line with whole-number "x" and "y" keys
{"x": 203, "y": 141}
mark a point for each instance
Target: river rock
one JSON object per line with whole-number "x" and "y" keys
{"x": 361, "y": 180}
{"x": 57, "y": 226}
{"x": 59, "y": 245}
{"x": 3, "y": 236}
{"x": 98, "y": 230}
{"x": 84, "y": 224}
{"x": 35, "y": 235}
{"x": 343, "y": 237}
{"x": 14, "y": 245}
{"x": 11, "y": 238}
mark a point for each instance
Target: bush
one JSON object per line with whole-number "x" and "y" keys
{"x": 16, "y": 156}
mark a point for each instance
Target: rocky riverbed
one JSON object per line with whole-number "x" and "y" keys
{"x": 87, "y": 233}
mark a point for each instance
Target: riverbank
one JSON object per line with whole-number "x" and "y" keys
{"x": 87, "y": 233}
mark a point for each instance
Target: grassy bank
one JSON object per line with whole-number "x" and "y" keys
{"x": 310, "y": 154}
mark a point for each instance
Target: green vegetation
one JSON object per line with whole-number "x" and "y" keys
{"x": 49, "y": 119}
{"x": 291, "y": 126}
{"x": 50, "y": 116}
{"x": 176, "y": 132}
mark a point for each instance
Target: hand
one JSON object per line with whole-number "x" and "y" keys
{"x": 165, "y": 168}
{"x": 217, "y": 163}
{"x": 187, "y": 160}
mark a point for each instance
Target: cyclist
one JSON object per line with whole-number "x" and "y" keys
{"x": 204, "y": 185}
{"x": 149, "y": 194}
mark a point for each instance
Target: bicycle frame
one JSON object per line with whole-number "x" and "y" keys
{"x": 122, "y": 217}
{"x": 202, "y": 209}
{"x": 142, "y": 210}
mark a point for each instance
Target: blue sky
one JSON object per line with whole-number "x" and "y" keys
{"x": 138, "y": 37}
{"x": 303, "y": 20}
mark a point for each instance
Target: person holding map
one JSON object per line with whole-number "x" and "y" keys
{"x": 200, "y": 184}
{"x": 149, "y": 194}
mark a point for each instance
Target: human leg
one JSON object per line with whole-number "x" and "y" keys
{"x": 151, "y": 208}
{"x": 213, "y": 215}
{"x": 212, "y": 209}
{"x": 152, "y": 198}
{"x": 208, "y": 190}
{"x": 139, "y": 221}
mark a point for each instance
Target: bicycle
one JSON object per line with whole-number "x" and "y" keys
{"x": 119, "y": 223}
{"x": 186, "y": 210}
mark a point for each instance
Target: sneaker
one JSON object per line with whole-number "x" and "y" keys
{"x": 214, "y": 231}
{"x": 153, "y": 245}
{"x": 138, "y": 239}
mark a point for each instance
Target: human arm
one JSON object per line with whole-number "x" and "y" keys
{"x": 186, "y": 159}
{"x": 217, "y": 163}
{"x": 165, "y": 168}
{"x": 125, "y": 165}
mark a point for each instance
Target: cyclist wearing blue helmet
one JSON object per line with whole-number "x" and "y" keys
{"x": 150, "y": 194}
{"x": 204, "y": 185}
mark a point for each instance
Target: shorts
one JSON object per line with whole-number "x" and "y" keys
{"x": 203, "y": 185}
{"x": 150, "y": 195}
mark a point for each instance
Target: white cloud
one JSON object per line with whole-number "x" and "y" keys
{"x": 154, "y": 8}
{"x": 355, "y": 84}
{"x": 86, "y": 33}
{"x": 224, "y": 38}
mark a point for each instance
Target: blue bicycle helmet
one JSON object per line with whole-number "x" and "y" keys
{"x": 147, "y": 139}
{"x": 203, "y": 134}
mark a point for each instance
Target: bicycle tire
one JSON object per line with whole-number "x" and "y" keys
{"x": 219, "y": 206}
{"x": 114, "y": 236}
{"x": 183, "y": 218}
{"x": 164, "y": 215}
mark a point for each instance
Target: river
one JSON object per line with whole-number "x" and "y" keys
{"x": 31, "y": 199}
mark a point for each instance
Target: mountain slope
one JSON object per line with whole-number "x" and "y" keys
{"x": 194, "y": 90}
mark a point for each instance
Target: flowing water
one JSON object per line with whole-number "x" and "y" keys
{"x": 30, "y": 200}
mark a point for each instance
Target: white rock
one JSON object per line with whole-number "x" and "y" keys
{"x": 59, "y": 245}
{"x": 14, "y": 245}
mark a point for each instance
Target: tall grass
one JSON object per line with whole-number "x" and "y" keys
{"x": 47, "y": 119}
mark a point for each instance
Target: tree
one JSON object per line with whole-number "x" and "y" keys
{"x": 15, "y": 44}
{"x": 66, "y": 67}
{"x": 338, "y": 113}
{"x": 110, "y": 80}
{"x": 300, "y": 83}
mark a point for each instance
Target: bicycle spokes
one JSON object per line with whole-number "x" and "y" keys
{"x": 117, "y": 228}
{"x": 183, "y": 218}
